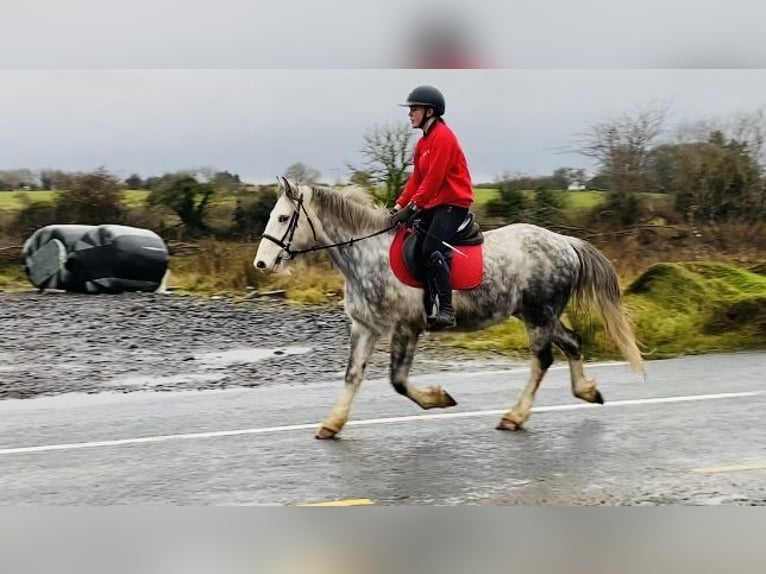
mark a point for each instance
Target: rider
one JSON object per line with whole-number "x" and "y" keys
{"x": 439, "y": 191}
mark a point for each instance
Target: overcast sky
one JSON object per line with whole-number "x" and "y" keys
{"x": 257, "y": 122}
{"x": 380, "y": 33}
{"x": 151, "y": 86}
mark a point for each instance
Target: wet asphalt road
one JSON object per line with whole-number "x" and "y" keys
{"x": 692, "y": 433}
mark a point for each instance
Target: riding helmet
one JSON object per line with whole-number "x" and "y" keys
{"x": 426, "y": 96}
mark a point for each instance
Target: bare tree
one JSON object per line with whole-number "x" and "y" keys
{"x": 750, "y": 130}
{"x": 302, "y": 173}
{"x": 361, "y": 178}
{"x": 51, "y": 178}
{"x": 718, "y": 167}
{"x": 387, "y": 151}
{"x": 621, "y": 146}
{"x": 563, "y": 177}
{"x": 18, "y": 179}
{"x": 747, "y": 128}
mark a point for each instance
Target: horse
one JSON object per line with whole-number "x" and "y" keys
{"x": 530, "y": 273}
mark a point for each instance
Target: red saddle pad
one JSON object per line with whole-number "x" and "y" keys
{"x": 466, "y": 271}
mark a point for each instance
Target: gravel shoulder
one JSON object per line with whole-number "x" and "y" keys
{"x": 57, "y": 342}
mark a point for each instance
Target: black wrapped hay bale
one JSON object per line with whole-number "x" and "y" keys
{"x": 95, "y": 258}
{"x": 45, "y": 253}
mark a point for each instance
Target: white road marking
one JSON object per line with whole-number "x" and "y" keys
{"x": 368, "y": 422}
{"x": 731, "y": 468}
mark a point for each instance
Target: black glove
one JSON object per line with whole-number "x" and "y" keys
{"x": 404, "y": 215}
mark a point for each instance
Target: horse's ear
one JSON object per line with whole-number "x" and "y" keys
{"x": 290, "y": 190}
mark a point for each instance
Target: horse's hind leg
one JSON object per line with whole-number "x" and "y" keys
{"x": 542, "y": 358}
{"x": 362, "y": 345}
{"x": 404, "y": 342}
{"x": 571, "y": 343}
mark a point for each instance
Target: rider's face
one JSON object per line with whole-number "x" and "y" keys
{"x": 416, "y": 115}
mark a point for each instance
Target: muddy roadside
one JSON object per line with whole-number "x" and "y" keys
{"x": 56, "y": 342}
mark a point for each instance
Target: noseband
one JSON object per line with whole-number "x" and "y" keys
{"x": 287, "y": 238}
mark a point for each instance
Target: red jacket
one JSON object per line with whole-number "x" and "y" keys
{"x": 441, "y": 174}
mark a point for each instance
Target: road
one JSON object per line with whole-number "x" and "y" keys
{"x": 693, "y": 432}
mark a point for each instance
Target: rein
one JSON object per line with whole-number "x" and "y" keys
{"x": 287, "y": 238}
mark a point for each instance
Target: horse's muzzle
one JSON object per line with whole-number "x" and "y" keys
{"x": 275, "y": 267}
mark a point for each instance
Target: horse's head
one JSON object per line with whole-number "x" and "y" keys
{"x": 289, "y": 228}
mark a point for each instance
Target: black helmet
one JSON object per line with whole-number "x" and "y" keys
{"x": 427, "y": 96}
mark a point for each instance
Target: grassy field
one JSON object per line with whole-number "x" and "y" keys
{"x": 576, "y": 201}
{"x": 484, "y": 195}
{"x": 14, "y": 200}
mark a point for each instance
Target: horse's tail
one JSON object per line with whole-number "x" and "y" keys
{"x": 598, "y": 285}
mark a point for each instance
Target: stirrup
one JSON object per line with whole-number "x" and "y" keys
{"x": 442, "y": 320}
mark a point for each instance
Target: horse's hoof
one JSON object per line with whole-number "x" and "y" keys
{"x": 325, "y": 433}
{"x": 508, "y": 425}
{"x": 598, "y": 398}
{"x": 448, "y": 400}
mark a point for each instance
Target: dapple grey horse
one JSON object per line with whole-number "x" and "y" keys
{"x": 530, "y": 273}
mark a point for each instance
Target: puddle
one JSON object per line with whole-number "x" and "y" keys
{"x": 245, "y": 356}
{"x": 154, "y": 381}
{"x": 721, "y": 500}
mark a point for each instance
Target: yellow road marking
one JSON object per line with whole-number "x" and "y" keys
{"x": 731, "y": 468}
{"x": 349, "y": 502}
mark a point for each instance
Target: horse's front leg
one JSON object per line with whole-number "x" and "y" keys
{"x": 362, "y": 345}
{"x": 404, "y": 342}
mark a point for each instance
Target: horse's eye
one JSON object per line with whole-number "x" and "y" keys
{"x": 283, "y": 218}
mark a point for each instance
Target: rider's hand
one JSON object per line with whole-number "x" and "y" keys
{"x": 402, "y": 215}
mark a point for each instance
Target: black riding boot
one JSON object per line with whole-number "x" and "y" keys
{"x": 441, "y": 315}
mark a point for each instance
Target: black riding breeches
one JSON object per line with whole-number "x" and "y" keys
{"x": 441, "y": 223}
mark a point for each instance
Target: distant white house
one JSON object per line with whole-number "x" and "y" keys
{"x": 576, "y": 186}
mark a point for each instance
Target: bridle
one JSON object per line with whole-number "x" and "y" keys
{"x": 287, "y": 238}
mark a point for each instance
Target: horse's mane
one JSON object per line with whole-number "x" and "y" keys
{"x": 351, "y": 204}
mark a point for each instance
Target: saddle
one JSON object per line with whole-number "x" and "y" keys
{"x": 466, "y": 267}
